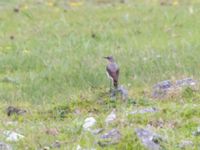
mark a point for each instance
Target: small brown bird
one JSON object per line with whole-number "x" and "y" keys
{"x": 112, "y": 71}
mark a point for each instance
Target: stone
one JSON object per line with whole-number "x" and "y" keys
{"x": 145, "y": 110}
{"x": 56, "y": 144}
{"x": 167, "y": 87}
{"x": 111, "y": 137}
{"x": 14, "y": 110}
{"x": 149, "y": 139}
{"x": 111, "y": 117}
{"x": 10, "y": 80}
{"x": 186, "y": 82}
{"x": 97, "y": 131}
{"x": 88, "y": 123}
{"x": 11, "y": 123}
{"x": 12, "y": 136}
{"x": 185, "y": 144}
{"x": 163, "y": 85}
{"x": 78, "y": 147}
{"x": 4, "y": 146}
{"x": 160, "y": 89}
{"x": 123, "y": 91}
{"x": 197, "y": 132}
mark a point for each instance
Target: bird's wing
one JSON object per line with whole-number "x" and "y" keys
{"x": 113, "y": 71}
{"x": 117, "y": 73}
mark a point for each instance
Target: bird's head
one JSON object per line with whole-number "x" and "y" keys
{"x": 109, "y": 58}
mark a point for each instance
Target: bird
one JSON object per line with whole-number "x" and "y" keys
{"x": 112, "y": 70}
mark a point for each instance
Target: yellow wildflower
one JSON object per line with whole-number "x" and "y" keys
{"x": 191, "y": 10}
{"x": 8, "y": 47}
{"x": 26, "y": 51}
{"x": 50, "y": 4}
{"x": 175, "y": 2}
{"x": 75, "y": 3}
{"x": 25, "y": 7}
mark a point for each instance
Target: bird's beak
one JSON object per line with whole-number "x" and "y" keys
{"x": 105, "y": 57}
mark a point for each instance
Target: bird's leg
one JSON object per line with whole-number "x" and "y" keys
{"x": 110, "y": 86}
{"x": 112, "y": 91}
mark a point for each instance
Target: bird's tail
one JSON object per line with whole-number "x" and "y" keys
{"x": 115, "y": 84}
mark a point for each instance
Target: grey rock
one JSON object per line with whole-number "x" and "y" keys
{"x": 123, "y": 91}
{"x": 186, "y": 82}
{"x": 113, "y": 93}
{"x": 145, "y": 110}
{"x": 149, "y": 139}
{"x": 114, "y": 133}
{"x": 164, "y": 88}
{"x": 78, "y": 147}
{"x": 11, "y": 123}
{"x": 56, "y": 144}
{"x": 97, "y": 131}
{"x": 197, "y": 132}
{"x": 4, "y": 146}
{"x": 111, "y": 117}
{"x": 10, "y": 80}
{"x": 185, "y": 144}
{"x": 163, "y": 85}
{"x": 14, "y": 110}
{"x": 89, "y": 123}
{"x": 12, "y": 136}
{"x": 160, "y": 89}
{"x": 111, "y": 137}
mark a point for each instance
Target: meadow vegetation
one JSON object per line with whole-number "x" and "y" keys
{"x": 51, "y": 64}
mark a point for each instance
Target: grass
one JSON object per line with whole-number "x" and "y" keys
{"x": 51, "y": 64}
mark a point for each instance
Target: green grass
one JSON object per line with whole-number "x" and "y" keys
{"x": 54, "y": 66}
